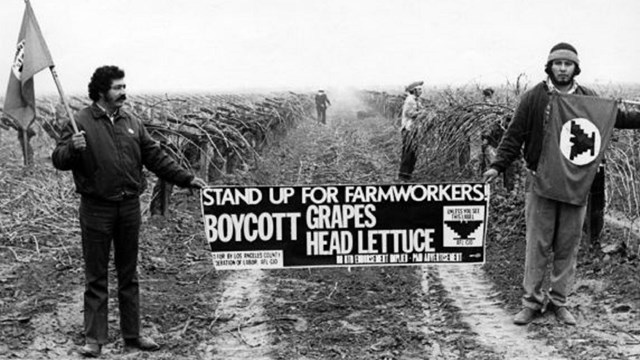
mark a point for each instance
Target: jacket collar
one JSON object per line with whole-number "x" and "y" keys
{"x": 98, "y": 111}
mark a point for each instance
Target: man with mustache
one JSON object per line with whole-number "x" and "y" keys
{"x": 106, "y": 157}
{"x": 552, "y": 225}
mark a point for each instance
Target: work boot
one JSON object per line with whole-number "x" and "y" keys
{"x": 142, "y": 343}
{"x": 525, "y": 316}
{"x": 90, "y": 350}
{"x": 564, "y": 315}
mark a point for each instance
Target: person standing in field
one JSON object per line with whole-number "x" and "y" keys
{"x": 322, "y": 102}
{"x": 410, "y": 110}
{"x": 490, "y": 140}
{"x": 552, "y": 224}
{"x": 106, "y": 157}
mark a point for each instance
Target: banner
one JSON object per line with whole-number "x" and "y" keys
{"x": 32, "y": 55}
{"x": 345, "y": 225}
{"x": 578, "y": 129}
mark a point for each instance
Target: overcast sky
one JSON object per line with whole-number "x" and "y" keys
{"x": 230, "y": 45}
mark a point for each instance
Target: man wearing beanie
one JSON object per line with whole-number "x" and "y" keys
{"x": 594, "y": 217}
{"x": 552, "y": 225}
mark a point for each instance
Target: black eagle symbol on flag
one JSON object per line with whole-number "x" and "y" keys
{"x": 581, "y": 141}
{"x": 463, "y": 228}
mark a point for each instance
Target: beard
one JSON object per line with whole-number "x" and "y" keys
{"x": 561, "y": 82}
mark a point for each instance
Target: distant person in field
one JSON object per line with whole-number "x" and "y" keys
{"x": 410, "y": 111}
{"x": 555, "y": 225}
{"x": 490, "y": 141}
{"x": 487, "y": 94}
{"x": 322, "y": 102}
{"x": 106, "y": 157}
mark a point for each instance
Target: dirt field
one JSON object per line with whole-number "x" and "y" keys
{"x": 400, "y": 313}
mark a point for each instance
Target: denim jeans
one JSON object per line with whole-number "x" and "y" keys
{"x": 101, "y": 223}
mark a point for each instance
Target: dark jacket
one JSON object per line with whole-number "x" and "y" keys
{"x": 110, "y": 168}
{"x": 322, "y": 100}
{"x": 527, "y": 127}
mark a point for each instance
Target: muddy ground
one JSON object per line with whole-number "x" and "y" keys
{"x": 402, "y": 312}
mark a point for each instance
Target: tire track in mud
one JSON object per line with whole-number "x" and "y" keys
{"x": 243, "y": 330}
{"x": 483, "y": 312}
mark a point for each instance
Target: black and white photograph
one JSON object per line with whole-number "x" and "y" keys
{"x": 320, "y": 180}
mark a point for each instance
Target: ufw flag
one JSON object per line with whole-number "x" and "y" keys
{"x": 577, "y": 131}
{"x": 32, "y": 56}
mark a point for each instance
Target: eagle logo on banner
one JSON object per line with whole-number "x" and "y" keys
{"x": 463, "y": 226}
{"x": 580, "y": 141}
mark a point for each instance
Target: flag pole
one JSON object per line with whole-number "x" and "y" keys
{"x": 25, "y": 146}
{"x": 62, "y": 97}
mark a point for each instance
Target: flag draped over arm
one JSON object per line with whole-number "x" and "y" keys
{"x": 577, "y": 131}
{"x": 32, "y": 55}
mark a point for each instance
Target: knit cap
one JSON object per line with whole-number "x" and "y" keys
{"x": 563, "y": 51}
